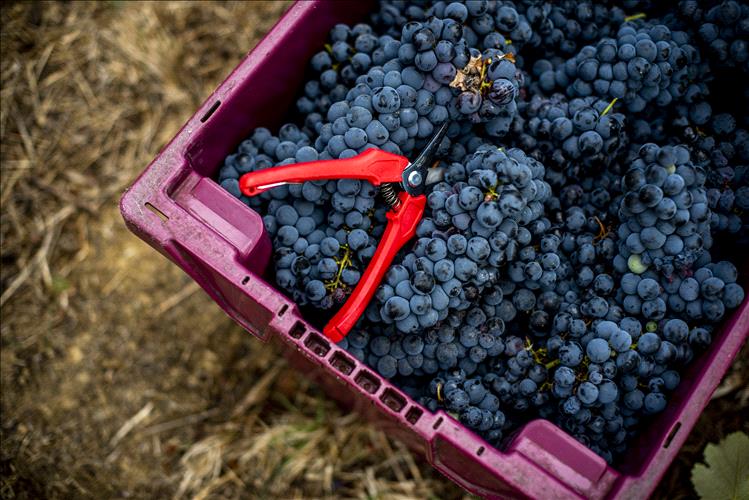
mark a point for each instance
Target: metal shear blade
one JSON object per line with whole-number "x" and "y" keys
{"x": 416, "y": 174}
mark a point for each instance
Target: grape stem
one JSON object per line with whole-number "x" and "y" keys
{"x": 343, "y": 263}
{"x": 603, "y": 231}
{"x": 611, "y": 105}
{"x": 635, "y": 17}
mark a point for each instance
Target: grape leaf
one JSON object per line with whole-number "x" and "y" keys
{"x": 473, "y": 76}
{"x": 469, "y": 78}
{"x": 726, "y": 475}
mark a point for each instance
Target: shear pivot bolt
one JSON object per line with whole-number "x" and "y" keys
{"x": 414, "y": 179}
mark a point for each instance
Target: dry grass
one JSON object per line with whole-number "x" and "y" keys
{"x": 120, "y": 378}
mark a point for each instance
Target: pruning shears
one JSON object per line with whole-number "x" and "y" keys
{"x": 402, "y": 185}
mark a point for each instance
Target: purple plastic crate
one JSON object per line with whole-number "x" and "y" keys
{"x": 178, "y": 209}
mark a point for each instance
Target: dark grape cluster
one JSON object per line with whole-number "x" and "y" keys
{"x": 728, "y": 198}
{"x": 562, "y": 28}
{"x": 410, "y": 85}
{"x": 324, "y": 232}
{"x": 575, "y": 253}
{"x": 640, "y": 66}
{"x": 477, "y": 219}
{"x": 571, "y": 137}
{"x": 486, "y": 25}
{"x": 722, "y": 148}
{"x": 720, "y": 29}
{"x": 664, "y": 213}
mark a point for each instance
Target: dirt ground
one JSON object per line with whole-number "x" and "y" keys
{"x": 120, "y": 378}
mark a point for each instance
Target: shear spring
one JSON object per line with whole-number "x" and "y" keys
{"x": 390, "y": 195}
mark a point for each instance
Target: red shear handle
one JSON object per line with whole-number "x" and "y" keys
{"x": 401, "y": 227}
{"x": 373, "y": 165}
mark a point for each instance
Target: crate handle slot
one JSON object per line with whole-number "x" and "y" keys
{"x": 367, "y": 381}
{"x": 342, "y": 363}
{"x": 210, "y": 111}
{"x": 672, "y": 435}
{"x": 317, "y": 344}
{"x": 297, "y": 331}
{"x": 413, "y": 415}
{"x": 393, "y": 400}
{"x": 161, "y": 215}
